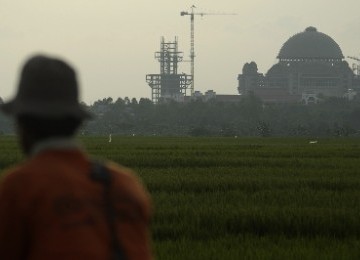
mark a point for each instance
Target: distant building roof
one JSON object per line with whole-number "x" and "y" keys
{"x": 275, "y": 95}
{"x": 310, "y": 44}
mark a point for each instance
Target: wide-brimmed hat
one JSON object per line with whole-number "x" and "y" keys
{"x": 47, "y": 88}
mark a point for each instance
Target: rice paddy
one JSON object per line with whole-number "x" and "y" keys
{"x": 242, "y": 198}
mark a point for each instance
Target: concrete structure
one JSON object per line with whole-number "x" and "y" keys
{"x": 311, "y": 65}
{"x": 211, "y": 95}
{"x": 168, "y": 84}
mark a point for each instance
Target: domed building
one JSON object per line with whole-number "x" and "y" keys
{"x": 311, "y": 64}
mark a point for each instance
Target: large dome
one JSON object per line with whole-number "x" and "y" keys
{"x": 310, "y": 44}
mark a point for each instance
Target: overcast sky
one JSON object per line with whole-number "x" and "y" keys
{"x": 111, "y": 43}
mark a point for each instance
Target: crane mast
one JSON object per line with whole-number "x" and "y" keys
{"x": 192, "y": 46}
{"x": 192, "y": 50}
{"x": 192, "y": 40}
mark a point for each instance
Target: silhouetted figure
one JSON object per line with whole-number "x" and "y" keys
{"x": 60, "y": 204}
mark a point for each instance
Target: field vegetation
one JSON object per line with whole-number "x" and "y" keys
{"x": 242, "y": 198}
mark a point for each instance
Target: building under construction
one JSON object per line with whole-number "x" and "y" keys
{"x": 168, "y": 84}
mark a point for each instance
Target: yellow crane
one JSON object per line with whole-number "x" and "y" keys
{"x": 192, "y": 39}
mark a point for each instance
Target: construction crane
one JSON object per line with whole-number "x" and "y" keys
{"x": 192, "y": 39}
{"x": 356, "y": 67}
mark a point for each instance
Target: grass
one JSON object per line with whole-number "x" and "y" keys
{"x": 242, "y": 198}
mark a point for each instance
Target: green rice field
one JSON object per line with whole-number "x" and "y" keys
{"x": 242, "y": 198}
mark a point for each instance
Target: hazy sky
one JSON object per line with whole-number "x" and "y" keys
{"x": 112, "y": 42}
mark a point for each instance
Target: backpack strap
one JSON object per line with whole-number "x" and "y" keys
{"x": 101, "y": 174}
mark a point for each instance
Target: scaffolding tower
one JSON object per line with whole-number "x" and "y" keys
{"x": 168, "y": 84}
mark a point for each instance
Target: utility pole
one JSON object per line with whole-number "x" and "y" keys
{"x": 192, "y": 39}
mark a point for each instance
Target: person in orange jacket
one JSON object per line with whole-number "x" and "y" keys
{"x": 59, "y": 203}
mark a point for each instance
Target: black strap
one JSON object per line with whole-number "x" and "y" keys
{"x": 101, "y": 174}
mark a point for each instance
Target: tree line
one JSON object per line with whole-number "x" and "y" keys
{"x": 247, "y": 117}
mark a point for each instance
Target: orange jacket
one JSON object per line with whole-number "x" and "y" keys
{"x": 51, "y": 209}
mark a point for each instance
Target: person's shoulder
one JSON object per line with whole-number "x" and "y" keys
{"x": 129, "y": 183}
{"x": 22, "y": 172}
{"x": 123, "y": 174}
{"x": 17, "y": 170}
{"x": 13, "y": 177}
{"x": 12, "y": 172}
{"x": 120, "y": 169}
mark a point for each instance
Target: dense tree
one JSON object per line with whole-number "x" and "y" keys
{"x": 248, "y": 117}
